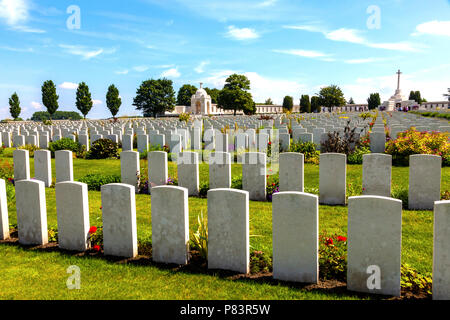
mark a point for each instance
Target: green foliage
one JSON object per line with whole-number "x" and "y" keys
{"x": 185, "y": 93}
{"x": 401, "y": 194}
{"x": 308, "y": 149}
{"x": 356, "y": 157}
{"x": 52, "y": 234}
{"x": 268, "y": 102}
{"x": 236, "y": 182}
{"x": 351, "y": 101}
{"x": 49, "y": 97}
{"x": 213, "y": 93}
{"x": 260, "y": 262}
{"x": 416, "y": 96}
{"x": 103, "y": 149}
{"x": 345, "y": 143}
{"x": 113, "y": 100}
{"x": 65, "y": 144}
{"x": 96, "y": 238}
{"x": 305, "y": 104}
{"x": 155, "y": 97}
{"x": 14, "y": 106}
{"x": 288, "y": 103}
{"x": 58, "y": 115}
{"x": 315, "y": 104}
{"x": 199, "y": 238}
{"x": 7, "y": 174}
{"x": 374, "y": 101}
{"x": 95, "y": 180}
{"x": 332, "y": 257}
{"x": 235, "y": 95}
{"x": 31, "y": 149}
{"x": 415, "y": 282}
{"x": 184, "y": 117}
{"x": 331, "y": 96}
{"x": 414, "y": 142}
{"x": 433, "y": 114}
{"x": 273, "y": 186}
{"x": 83, "y": 100}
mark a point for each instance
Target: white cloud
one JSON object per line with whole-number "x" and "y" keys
{"x": 362, "y": 60}
{"x": 438, "y": 28}
{"x": 171, "y": 73}
{"x": 27, "y": 29}
{"x": 7, "y": 48}
{"x": 122, "y": 72}
{"x": 354, "y": 36}
{"x": 262, "y": 87}
{"x": 96, "y": 102}
{"x": 140, "y": 68}
{"x": 267, "y": 3}
{"x": 347, "y": 35}
{"x": 303, "y": 53}
{"x": 14, "y": 11}
{"x": 85, "y": 52}
{"x": 241, "y": 33}
{"x": 36, "y": 105}
{"x": 68, "y": 86}
{"x": 201, "y": 67}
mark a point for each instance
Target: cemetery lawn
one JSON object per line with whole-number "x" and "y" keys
{"x": 40, "y": 273}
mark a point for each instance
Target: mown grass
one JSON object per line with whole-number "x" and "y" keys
{"x": 41, "y": 274}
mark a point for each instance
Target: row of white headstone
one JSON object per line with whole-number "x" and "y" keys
{"x": 374, "y": 231}
{"x": 424, "y": 173}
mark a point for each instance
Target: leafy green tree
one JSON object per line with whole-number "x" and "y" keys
{"x": 155, "y": 97}
{"x": 185, "y": 93}
{"x": 250, "y": 110}
{"x": 305, "y": 104}
{"x": 351, "y": 101}
{"x": 84, "y": 100}
{"x": 113, "y": 101}
{"x": 58, "y": 115}
{"x": 288, "y": 103}
{"x": 14, "y": 106}
{"x": 49, "y": 97}
{"x": 447, "y": 94}
{"x": 374, "y": 101}
{"x": 269, "y": 102}
{"x": 415, "y": 95}
{"x": 331, "y": 96}
{"x": 213, "y": 93}
{"x": 315, "y": 104}
{"x": 235, "y": 95}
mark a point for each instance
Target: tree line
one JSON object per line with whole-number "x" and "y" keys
{"x": 154, "y": 97}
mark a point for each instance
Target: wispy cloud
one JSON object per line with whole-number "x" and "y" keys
{"x": 96, "y": 102}
{"x": 241, "y": 33}
{"x": 14, "y": 12}
{"x": 140, "y": 68}
{"x": 362, "y": 60}
{"x": 68, "y": 86}
{"x": 171, "y": 73}
{"x": 122, "y": 72}
{"x": 437, "y": 28}
{"x": 201, "y": 67}
{"x": 355, "y": 36}
{"x": 303, "y": 53}
{"x": 36, "y": 105}
{"x": 85, "y": 52}
{"x": 7, "y": 48}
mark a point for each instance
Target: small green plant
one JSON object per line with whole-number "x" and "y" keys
{"x": 260, "y": 262}
{"x": 96, "y": 238}
{"x": 415, "y": 282}
{"x": 356, "y": 157}
{"x": 236, "y": 182}
{"x": 401, "y": 194}
{"x": 52, "y": 234}
{"x": 203, "y": 190}
{"x": 184, "y": 117}
{"x": 199, "y": 238}
{"x": 96, "y": 180}
{"x": 103, "y": 149}
{"x": 332, "y": 257}
{"x": 308, "y": 149}
{"x": 66, "y": 144}
{"x": 31, "y": 149}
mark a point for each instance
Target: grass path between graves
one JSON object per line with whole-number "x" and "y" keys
{"x": 28, "y": 273}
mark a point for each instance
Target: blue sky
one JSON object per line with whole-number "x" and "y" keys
{"x": 285, "y": 47}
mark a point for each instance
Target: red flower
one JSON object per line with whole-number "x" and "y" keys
{"x": 101, "y": 207}
{"x": 341, "y": 238}
{"x": 270, "y": 142}
{"x": 96, "y": 247}
{"x": 329, "y": 241}
{"x": 93, "y": 229}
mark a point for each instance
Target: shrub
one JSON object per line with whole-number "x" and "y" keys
{"x": 332, "y": 257}
{"x": 31, "y": 149}
{"x": 203, "y": 190}
{"x": 345, "y": 143}
{"x": 273, "y": 186}
{"x": 308, "y": 149}
{"x": 236, "y": 182}
{"x": 103, "y": 149}
{"x": 66, "y": 144}
{"x": 401, "y": 194}
{"x": 415, "y": 282}
{"x": 95, "y": 180}
{"x": 356, "y": 157}
{"x": 96, "y": 237}
{"x": 184, "y": 117}
{"x": 414, "y": 142}
{"x": 7, "y": 174}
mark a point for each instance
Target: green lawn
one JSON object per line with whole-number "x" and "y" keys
{"x": 29, "y": 273}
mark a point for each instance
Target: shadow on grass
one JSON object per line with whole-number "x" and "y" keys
{"x": 198, "y": 265}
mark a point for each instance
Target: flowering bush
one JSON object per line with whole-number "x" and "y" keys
{"x": 31, "y": 149}
{"x": 273, "y": 186}
{"x": 414, "y": 142}
{"x": 332, "y": 257}
{"x": 96, "y": 238}
{"x": 308, "y": 149}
